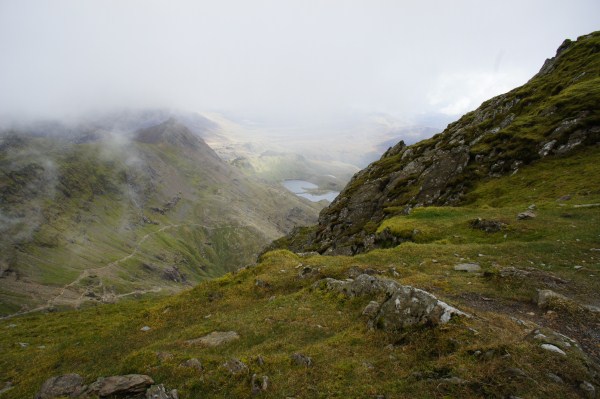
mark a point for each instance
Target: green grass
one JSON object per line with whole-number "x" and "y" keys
{"x": 349, "y": 359}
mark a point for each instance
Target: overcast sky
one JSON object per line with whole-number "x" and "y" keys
{"x": 295, "y": 61}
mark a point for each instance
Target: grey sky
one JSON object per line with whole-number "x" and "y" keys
{"x": 300, "y": 61}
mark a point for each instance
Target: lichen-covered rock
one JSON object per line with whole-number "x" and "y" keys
{"x": 300, "y": 359}
{"x": 411, "y": 306}
{"x": 403, "y": 305}
{"x": 68, "y": 385}
{"x": 160, "y": 392}
{"x": 236, "y": 366}
{"x": 121, "y": 385}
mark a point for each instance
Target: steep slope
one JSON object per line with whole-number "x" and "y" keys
{"x": 96, "y": 217}
{"x": 517, "y": 253}
{"x": 553, "y": 114}
{"x": 281, "y": 307}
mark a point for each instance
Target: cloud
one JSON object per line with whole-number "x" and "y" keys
{"x": 458, "y": 93}
{"x": 294, "y": 61}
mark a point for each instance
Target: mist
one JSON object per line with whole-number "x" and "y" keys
{"x": 306, "y": 65}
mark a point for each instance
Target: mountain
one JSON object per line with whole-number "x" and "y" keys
{"x": 482, "y": 281}
{"x": 553, "y": 114}
{"x": 98, "y": 216}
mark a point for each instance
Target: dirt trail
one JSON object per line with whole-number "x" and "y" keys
{"x": 107, "y": 296}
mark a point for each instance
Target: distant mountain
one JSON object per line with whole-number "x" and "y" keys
{"x": 95, "y": 216}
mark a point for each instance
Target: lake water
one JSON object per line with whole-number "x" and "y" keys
{"x": 300, "y": 188}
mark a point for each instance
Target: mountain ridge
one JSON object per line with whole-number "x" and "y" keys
{"x": 552, "y": 114}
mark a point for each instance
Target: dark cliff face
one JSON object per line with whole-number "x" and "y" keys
{"x": 554, "y": 113}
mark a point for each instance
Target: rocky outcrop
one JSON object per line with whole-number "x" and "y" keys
{"x": 502, "y": 135}
{"x": 117, "y": 386}
{"x": 215, "y": 338}
{"x": 399, "y": 306}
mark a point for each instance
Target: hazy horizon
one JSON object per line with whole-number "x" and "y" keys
{"x": 300, "y": 65}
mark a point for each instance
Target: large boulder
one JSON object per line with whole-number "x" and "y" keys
{"x": 402, "y": 305}
{"x": 129, "y": 385}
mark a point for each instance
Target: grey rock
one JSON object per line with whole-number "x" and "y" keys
{"x": 489, "y": 226}
{"x": 192, "y": 363}
{"x": 215, "y": 338}
{"x": 404, "y": 305}
{"x": 555, "y": 378}
{"x": 588, "y": 389}
{"x": 410, "y": 306}
{"x": 528, "y": 214}
{"x": 553, "y": 348}
{"x": 546, "y": 298}
{"x": 301, "y": 360}
{"x": 236, "y": 366}
{"x": 467, "y": 267}
{"x": 145, "y": 328}
{"x": 174, "y": 274}
{"x": 69, "y": 385}
{"x": 122, "y": 385}
{"x": 259, "y": 384}
{"x": 160, "y": 392}
{"x": 371, "y": 309}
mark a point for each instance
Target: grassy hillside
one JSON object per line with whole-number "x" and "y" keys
{"x": 277, "y": 311}
{"x": 98, "y": 218}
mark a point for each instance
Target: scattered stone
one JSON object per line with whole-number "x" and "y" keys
{"x": 555, "y": 378}
{"x": 160, "y": 392}
{"x": 467, "y": 267}
{"x": 528, "y": 214}
{"x": 192, "y": 363}
{"x": 174, "y": 274}
{"x": 553, "y": 348}
{"x": 122, "y": 385}
{"x": 145, "y": 328}
{"x": 69, "y": 385}
{"x": 215, "y": 338}
{"x": 23, "y": 344}
{"x": 548, "y": 298}
{"x": 489, "y": 226}
{"x": 11, "y": 326}
{"x": 307, "y": 272}
{"x": 371, "y": 309}
{"x": 532, "y": 207}
{"x": 516, "y": 372}
{"x": 578, "y": 267}
{"x": 236, "y": 366}
{"x": 588, "y": 389}
{"x": 259, "y": 384}
{"x": 259, "y": 360}
{"x": 301, "y": 360}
